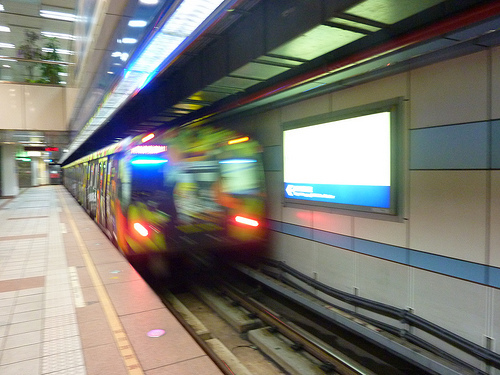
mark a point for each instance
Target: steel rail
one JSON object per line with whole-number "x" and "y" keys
{"x": 307, "y": 343}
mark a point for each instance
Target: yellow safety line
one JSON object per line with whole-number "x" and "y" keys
{"x": 125, "y": 348}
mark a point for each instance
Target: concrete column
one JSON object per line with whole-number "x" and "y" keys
{"x": 34, "y": 171}
{"x": 9, "y": 177}
{"x": 44, "y": 173}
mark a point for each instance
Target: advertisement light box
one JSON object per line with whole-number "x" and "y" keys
{"x": 345, "y": 163}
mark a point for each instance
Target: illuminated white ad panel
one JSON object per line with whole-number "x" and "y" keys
{"x": 343, "y": 162}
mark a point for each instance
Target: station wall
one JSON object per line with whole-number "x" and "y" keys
{"x": 36, "y": 107}
{"x": 442, "y": 259}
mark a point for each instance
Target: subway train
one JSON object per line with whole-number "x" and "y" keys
{"x": 167, "y": 193}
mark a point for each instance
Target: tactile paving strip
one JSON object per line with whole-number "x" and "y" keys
{"x": 62, "y": 362}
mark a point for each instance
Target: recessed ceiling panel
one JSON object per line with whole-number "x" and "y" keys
{"x": 358, "y": 25}
{"x": 208, "y": 96}
{"x": 235, "y": 83}
{"x": 187, "y": 106}
{"x": 316, "y": 42}
{"x": 280, "y": 61}
{"x": 259, "y": 71}
{"x": 390, "y": 11}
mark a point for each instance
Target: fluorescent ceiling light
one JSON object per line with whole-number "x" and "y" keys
{"x": 1, "y": 8}
{"x": 116, "y": 54}
{"x": 137, "y": 23}
{"x": 59, "y": 51}
{"x": 149, "y": 2}
{"x": 49, "y": 34}
{"x": 7, "y": 45}
{"x": 129, "y": 40}
{"x": 6, "y": 66}
{"x": 58, "y": 15}
{"x": 5, "y": 29}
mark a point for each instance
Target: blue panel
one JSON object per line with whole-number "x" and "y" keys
{"x": 494, "y": 277}
{"x": 495, "y": 144}
{"x": 461, "y": 269}
{"x": 450, "y": 147}
{"x": 448, "y": 266}
{"x": 359, "y": 195}
{"x": 274, "y": 225}
{"x": 333, "y": 239}
{"x": 380, "y": 250}
{"x": 297, "y": 230}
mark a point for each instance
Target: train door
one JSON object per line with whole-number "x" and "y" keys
{"x": 85, "y": 179}
{"x": 111, "y": 195}
{"x": 101, "y": 192}
{"x": 122, "y": 202}
{"x": 93, "y": 183}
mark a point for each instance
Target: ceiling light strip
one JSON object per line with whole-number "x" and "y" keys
{"x": 58, "y": 15}
{"x": 189, "y": 16}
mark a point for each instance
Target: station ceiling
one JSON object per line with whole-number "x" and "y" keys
{"x": 259, "y": 54}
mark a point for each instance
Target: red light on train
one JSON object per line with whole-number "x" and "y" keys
{"x": 141, "y": 229}
{"x": 246, "y": 221}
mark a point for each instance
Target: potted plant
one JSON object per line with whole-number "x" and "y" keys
{"x": 30, "y": 51}
{"x": 50, "y": 72}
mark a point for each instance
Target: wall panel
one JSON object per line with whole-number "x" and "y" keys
{"x": 45, "y": 109}
{"x": 437, "y": 299}
{"x": 448, "y": 213}
{"x": 389, "y": 232}
{"x": 383, "y": 89}
{"x": 336, "y": 267}
{"x": 310, "y": 107}
{"x": 495, "y": 220}
{"x": 375, "y": 278}
{"x": 450, "y": 92}
{"x": 12, "y": 108}
{"x": 495, "y": 82}
{"x": 330, "y": 222}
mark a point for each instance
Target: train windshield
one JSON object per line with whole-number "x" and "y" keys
{"x": 240, "y": 176}
{"x": 147, "y": 176}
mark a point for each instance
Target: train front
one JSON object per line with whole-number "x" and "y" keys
{"x": 196, "y": 189}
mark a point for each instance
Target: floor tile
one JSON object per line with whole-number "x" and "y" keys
{"x": 27, "y": 316}
{"x": 23, "y": 353}
{"x": 24, "y": 327}
{"x": 104, "y": 359}
{"x": 22, "y": 339}
{"x": 30, "y": 367}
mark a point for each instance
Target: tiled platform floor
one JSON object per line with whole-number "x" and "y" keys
{"x": 71, "y": 304}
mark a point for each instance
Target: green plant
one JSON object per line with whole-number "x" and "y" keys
{"x": 50, "y": 72}
{"x": 30, "y": 51}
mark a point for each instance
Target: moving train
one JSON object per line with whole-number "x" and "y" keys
{"x": 176, "y": 190}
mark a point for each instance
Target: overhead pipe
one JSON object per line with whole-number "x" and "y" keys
{"x": 437, "y": 29}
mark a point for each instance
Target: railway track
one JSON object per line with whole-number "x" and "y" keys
{"x": 273, "y": 334}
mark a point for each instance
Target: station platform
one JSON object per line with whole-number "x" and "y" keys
{"x": 70, "y": 303}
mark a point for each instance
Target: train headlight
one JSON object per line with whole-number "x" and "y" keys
{"x": 141, "y": 229}
{"x": 246, "y": 221}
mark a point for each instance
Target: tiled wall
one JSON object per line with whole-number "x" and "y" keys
{"x": 443, "y": 258}
{"x": 35, "y": 107}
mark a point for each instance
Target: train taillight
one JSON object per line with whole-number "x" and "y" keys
{"x": 246, "y": 221}
{"x": 141, "y": 229}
